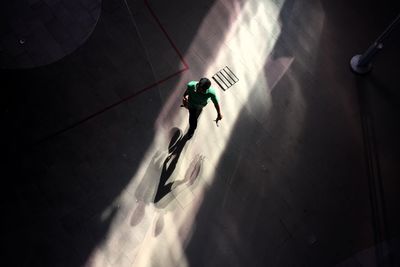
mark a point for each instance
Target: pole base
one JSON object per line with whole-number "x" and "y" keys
{"x": 359, "y": 69}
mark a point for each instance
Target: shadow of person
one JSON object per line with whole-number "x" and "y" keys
{"x": 145, "y": 190}
{"x": 175, "y": 149}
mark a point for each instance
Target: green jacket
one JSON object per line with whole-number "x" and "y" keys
{"x": 200, "y": 100}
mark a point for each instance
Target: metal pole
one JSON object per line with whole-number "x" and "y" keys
{"x": 361, "y": 64}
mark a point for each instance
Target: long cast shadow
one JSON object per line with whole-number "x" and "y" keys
{"x": 175, "y": 148}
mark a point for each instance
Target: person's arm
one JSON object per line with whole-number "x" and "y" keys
{"x": 215, "y": 101}
{"x": 185, "y": 98}
{"x": 219, "y": 114}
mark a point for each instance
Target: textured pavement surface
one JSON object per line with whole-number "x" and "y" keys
{"x": 39, "y": 32}
{"x": 303, "y": 170}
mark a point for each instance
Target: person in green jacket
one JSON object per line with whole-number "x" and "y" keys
{"x": 195, "y": 98}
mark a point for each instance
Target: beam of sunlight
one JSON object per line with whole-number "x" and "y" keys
{"x": 147, "y": 234}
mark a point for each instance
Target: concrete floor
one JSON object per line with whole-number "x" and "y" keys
{"x": 303, "y": 170}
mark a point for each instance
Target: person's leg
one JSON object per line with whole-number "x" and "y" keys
{"x": 193, "y": 117}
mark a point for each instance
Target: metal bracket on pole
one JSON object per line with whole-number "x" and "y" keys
{"x": 362, "y": 64}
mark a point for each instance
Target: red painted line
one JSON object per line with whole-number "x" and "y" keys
{"x": 186, "y": 67}
{"x": 146, "y": 2}
{"x": 108, "y": 107}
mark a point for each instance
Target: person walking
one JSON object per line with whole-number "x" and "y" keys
{"x": 195, "y": 98}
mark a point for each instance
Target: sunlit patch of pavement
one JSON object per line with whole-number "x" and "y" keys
{"x": 155, "y": 234}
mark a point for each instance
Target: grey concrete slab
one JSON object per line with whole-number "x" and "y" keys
{"x": 28, "y": 21}
{"x": 302, "y": 170}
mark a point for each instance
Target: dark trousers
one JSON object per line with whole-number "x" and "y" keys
{"x": 194, "y": 114}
